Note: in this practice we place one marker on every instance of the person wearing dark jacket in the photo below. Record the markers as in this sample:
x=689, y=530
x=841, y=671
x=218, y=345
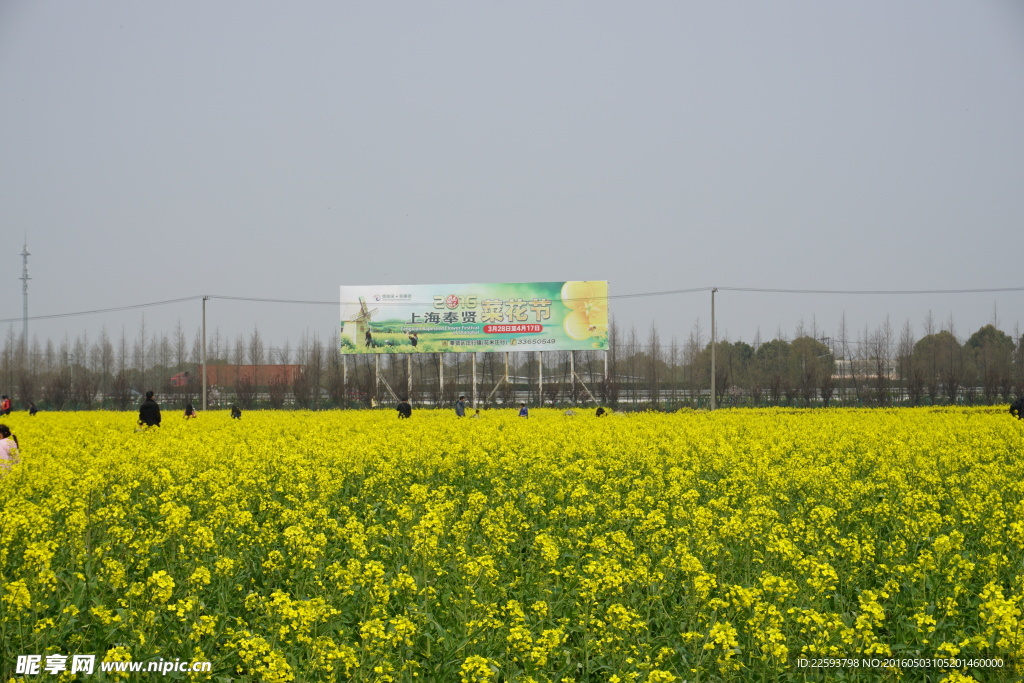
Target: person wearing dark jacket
x=149, y=411
x=1017, y=408
x=404, y=409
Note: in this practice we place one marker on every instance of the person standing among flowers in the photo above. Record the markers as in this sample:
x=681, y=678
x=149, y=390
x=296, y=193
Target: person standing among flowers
x=460, y=407
x=9, y=454
x=149, y=412
x=523, y=410
x=404, y=410
x=1017, y=408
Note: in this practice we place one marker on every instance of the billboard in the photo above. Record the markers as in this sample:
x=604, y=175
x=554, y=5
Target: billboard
x=530, y=316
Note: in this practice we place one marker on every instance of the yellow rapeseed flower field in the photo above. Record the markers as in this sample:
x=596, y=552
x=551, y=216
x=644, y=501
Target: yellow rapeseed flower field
x=739, y=545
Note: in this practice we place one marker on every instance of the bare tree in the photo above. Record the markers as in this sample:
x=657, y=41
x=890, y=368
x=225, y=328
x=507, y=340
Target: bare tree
x=28, y=374
x=314, y=369
x=255, y=349
x=610, y=382
x=911, y=373
x=881, y=344
x=120, y=387
x=245, y=385
x=632, y=363
x=139, y=356
x=277, y=391
x=83, y=381
x=654, y=362
x=692, y=360
x=845, y=361
x=1018, y=362
x=932, y=374
x=58, y=385
x=8, y=359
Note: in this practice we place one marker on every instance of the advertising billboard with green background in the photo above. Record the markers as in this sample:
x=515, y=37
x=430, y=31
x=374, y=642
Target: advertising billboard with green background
x=530, y=316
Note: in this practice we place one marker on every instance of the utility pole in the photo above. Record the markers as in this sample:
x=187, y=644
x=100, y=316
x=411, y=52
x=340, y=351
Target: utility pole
x=204, y=351
x=24, y=295
x=714, y=340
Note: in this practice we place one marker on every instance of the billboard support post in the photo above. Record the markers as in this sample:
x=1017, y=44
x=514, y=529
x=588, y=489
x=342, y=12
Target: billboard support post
x=472, y=358
x=376, y=378
x=408, y=377
x=440, y=377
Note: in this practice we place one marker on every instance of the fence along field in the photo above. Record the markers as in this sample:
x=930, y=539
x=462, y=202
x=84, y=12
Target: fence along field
x=722, y=546
x=875, y=368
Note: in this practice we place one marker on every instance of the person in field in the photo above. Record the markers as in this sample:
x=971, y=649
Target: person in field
x=149, y=412
x=404, y=409
x=9, y=454
x=1017, y=408
x=32, y=410
x=523, y=410
x=236, y=413
x=601, y=411
x=460, y=407
x=5, y=405
x=190, y=412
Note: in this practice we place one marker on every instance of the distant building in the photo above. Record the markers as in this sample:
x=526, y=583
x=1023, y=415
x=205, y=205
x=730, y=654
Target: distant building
x=230, y=375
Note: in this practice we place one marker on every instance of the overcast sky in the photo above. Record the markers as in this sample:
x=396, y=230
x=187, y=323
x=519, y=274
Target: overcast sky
x=152, y=151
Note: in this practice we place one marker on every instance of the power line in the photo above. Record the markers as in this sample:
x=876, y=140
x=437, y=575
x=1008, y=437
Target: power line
x=637, y=295
x=105, y=310
x=272, y=301
x=990, y=290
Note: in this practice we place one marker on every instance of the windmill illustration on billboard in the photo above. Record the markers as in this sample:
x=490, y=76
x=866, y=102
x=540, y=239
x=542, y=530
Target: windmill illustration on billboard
x=357, y=328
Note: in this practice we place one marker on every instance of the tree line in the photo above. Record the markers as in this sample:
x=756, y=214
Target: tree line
x=882, y=366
